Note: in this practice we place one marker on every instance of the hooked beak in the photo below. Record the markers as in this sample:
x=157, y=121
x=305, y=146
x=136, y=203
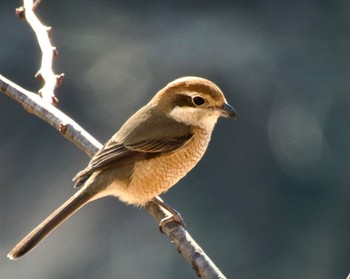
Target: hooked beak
x=228, y=111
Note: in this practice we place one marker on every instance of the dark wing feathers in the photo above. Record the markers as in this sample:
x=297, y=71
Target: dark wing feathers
x=160, y=145
x=114, y=154
x=110, y=153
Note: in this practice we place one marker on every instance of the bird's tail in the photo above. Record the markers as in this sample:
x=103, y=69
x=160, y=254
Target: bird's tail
x=50, y=223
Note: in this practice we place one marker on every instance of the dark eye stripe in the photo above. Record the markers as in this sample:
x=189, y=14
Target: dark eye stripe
x=183, y=101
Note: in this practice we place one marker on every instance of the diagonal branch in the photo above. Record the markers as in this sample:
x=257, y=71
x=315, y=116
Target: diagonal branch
x=32, y=103
x=184, y=243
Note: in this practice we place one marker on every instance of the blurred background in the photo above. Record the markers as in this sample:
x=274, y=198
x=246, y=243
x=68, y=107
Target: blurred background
x=270, y=199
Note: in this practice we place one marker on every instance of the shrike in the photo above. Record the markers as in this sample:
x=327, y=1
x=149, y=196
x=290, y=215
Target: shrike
x=151, y=152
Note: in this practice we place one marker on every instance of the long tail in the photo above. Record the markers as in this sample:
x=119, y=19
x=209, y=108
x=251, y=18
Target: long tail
x=50, y=223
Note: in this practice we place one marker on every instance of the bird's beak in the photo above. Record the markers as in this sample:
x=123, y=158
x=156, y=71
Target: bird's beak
x=228, y=111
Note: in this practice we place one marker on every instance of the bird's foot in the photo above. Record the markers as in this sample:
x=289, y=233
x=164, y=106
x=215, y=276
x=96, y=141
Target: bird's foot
x=175, y=217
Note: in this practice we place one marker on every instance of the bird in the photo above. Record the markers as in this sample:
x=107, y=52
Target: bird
x=152, y=151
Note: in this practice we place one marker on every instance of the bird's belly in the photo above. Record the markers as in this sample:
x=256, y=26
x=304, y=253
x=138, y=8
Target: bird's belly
x=155, y=176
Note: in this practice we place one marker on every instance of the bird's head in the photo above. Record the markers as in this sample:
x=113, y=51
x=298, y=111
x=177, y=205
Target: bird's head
x=194, y=101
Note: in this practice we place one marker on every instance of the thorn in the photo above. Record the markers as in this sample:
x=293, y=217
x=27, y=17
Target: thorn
x=63, y=128
x=54, y=100
x=39, y=76
x=36, y=4
x=59, y=79
x=4, y=87
x=54, y=52
x=49, y=31
x=20, y=13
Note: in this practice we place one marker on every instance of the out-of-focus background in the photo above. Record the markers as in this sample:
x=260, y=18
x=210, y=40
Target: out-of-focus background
x=270, y=199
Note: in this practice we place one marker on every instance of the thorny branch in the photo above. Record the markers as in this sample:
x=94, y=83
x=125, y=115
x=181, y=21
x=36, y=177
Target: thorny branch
x=49, y=52
x=32, y=103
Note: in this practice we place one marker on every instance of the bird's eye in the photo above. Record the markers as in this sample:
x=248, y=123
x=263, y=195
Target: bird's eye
x=198, y=101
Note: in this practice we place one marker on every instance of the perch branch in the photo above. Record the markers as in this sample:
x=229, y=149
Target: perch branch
x=186, y=245
x=182, y=240
x=49, y=52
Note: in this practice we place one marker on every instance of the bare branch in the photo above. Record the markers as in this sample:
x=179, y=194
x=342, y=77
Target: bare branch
x=185, y=244
x=46, y=74
x=182, y=240
x=32, y=103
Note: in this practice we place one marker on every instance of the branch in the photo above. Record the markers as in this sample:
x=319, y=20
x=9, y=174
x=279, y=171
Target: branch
x=32, y=103
x=186, y=245
x=182, y=240
x=42, y=32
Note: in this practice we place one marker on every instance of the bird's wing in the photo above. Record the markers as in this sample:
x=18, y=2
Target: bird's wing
x=147, y=134
x=115, y=154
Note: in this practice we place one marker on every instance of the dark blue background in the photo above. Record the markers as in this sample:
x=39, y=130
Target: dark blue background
x=271, y=197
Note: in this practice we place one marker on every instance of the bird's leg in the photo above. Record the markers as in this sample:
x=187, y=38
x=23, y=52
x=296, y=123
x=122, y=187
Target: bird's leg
x=175, y=216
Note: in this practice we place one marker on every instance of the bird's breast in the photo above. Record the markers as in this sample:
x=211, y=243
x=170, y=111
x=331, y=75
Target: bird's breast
x=155, y=176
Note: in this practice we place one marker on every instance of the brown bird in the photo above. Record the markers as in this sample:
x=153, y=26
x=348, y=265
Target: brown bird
x=152, y=151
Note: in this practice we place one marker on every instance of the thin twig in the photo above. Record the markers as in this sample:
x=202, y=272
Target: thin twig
x=49, y=52
x=182, y=240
